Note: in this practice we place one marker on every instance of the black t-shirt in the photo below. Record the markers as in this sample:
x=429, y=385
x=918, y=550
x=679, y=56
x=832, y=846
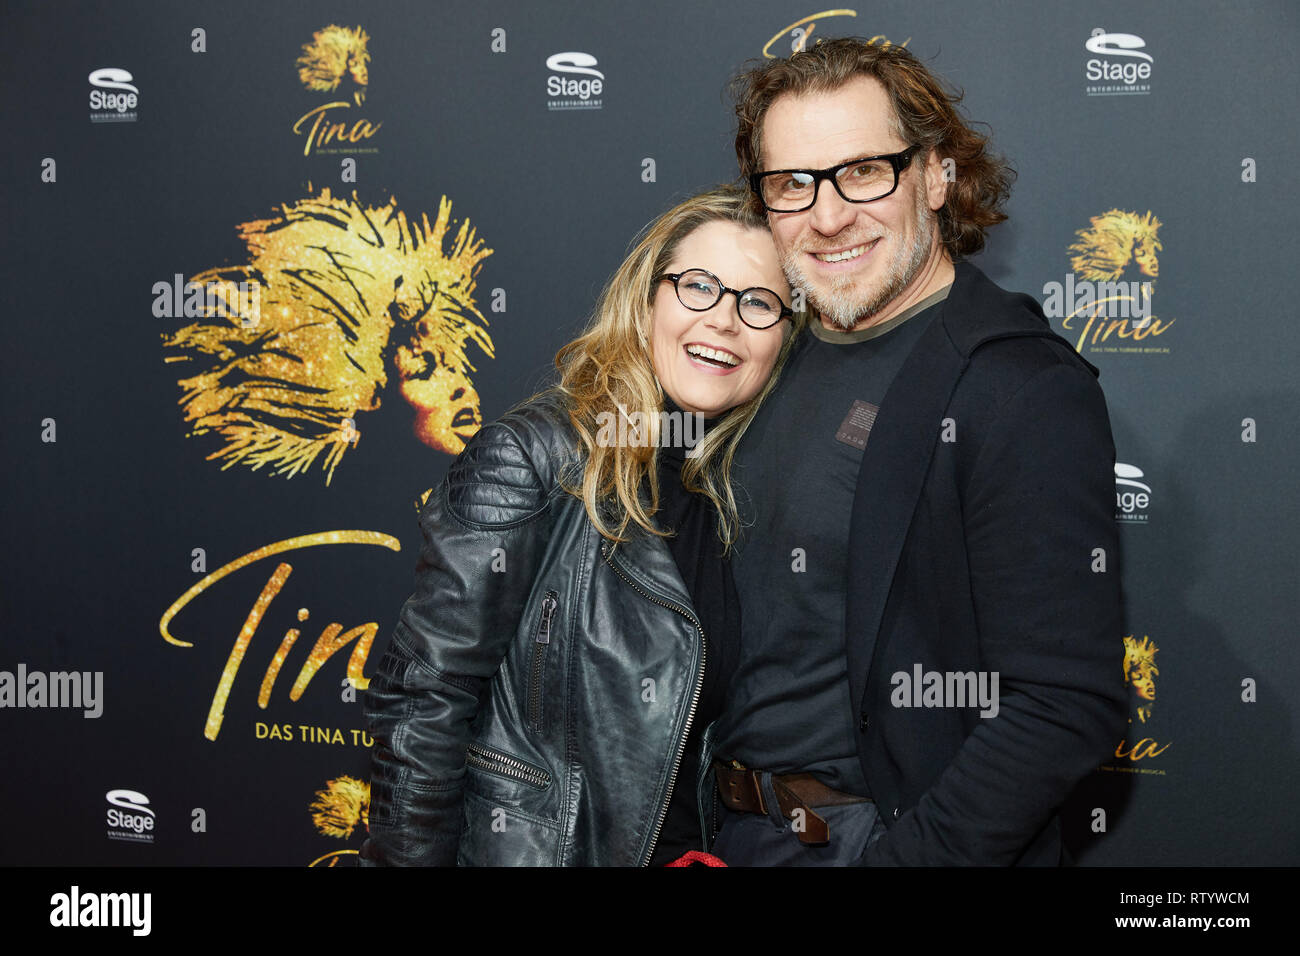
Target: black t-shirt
x=706, y=574
x=788, y=708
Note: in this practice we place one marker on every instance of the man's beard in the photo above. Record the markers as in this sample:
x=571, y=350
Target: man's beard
x=840, y=304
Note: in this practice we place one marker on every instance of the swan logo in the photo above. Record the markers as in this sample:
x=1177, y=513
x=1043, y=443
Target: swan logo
x=1119, y=65
x=574, y=83
x=1132, y=494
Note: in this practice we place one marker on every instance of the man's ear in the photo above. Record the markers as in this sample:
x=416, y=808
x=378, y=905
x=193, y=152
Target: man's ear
x=936, y=185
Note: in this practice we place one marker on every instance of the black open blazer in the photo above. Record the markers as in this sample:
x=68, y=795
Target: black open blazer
x=983, y=539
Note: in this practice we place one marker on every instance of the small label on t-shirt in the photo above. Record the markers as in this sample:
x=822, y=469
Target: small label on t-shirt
x=857, y=424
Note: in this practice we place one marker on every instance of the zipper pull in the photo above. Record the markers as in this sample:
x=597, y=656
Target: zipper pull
x=549, y=604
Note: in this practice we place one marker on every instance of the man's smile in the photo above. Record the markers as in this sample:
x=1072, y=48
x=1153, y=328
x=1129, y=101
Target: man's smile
x=844, y=255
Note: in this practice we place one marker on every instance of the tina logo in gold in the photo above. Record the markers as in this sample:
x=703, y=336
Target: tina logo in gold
x=339, y=809
x=800, y=32
x=1106, y=301
x=336, y=58
x=333, y=637
x=347, y=294
x=1140, y=672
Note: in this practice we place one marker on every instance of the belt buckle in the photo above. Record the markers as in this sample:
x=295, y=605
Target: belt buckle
x=814, y=829
x=741, y=784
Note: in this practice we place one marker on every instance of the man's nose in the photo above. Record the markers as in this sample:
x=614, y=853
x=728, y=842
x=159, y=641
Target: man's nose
x=831, y=212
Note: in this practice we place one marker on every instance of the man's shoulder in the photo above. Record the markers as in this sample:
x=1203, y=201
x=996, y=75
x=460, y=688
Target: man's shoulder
x=1004, y=336
x=978, y=311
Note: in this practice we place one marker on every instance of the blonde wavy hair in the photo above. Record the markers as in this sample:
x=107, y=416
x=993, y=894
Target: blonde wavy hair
x=608, y=370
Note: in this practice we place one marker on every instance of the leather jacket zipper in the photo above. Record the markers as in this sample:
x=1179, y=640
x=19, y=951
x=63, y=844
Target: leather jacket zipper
x=695, y=697
x=709, y=825
x=537, y=671
x=496, y=762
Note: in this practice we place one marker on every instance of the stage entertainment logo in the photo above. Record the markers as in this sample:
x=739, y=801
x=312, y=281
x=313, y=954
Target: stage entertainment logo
x=347, y=295
x=114, y=96
x=336, y=62
x=339, y=810
x=1119, y=66
x=1140, y=745
x=1106, y=303
x=1132, y=494
x=574, y=83
x=796, y=36
x=130, y=818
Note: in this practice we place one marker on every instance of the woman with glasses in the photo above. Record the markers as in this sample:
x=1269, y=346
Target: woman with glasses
x=548, y=687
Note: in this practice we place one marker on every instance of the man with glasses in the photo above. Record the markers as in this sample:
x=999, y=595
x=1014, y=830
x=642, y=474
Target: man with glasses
x=929, y=582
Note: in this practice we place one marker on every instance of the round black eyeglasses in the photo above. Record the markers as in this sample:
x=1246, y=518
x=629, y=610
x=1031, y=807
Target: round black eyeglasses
x=700, y=290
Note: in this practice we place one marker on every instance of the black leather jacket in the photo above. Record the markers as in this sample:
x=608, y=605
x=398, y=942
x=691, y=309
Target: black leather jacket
x=534, y=701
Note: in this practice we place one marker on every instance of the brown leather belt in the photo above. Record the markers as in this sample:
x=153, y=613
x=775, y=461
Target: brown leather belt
x=742, y=793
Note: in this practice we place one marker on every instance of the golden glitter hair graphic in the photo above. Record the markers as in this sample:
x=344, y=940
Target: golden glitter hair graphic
x=1140, y=672
x=333, y=54
x=343, y=289
x=339, y=809
x=1114, y=240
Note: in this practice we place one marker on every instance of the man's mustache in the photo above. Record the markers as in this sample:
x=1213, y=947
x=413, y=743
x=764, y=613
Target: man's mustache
x=840, y=243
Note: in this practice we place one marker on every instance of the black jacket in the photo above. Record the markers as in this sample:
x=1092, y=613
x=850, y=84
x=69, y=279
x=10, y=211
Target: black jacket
x=533, y=703
x=982, y=522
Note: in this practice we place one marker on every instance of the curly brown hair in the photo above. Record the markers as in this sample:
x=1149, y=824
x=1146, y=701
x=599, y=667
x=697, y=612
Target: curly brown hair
x=925, y=114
